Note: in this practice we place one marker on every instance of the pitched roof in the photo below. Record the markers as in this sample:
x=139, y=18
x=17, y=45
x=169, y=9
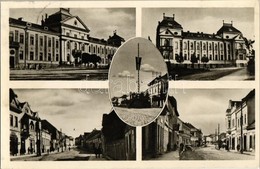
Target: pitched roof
x=169, y=22
x=249, y=95
x=173, y=102
x=227, y=28
x=29, y=25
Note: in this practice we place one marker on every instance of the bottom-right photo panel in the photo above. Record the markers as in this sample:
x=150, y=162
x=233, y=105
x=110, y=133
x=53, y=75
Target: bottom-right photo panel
x=203, y=124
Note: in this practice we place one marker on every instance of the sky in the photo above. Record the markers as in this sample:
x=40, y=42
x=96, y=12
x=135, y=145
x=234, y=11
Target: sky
x=205, y=108
x=207, y=20
x=101, y=21
x=123, y=74
x=68, y=109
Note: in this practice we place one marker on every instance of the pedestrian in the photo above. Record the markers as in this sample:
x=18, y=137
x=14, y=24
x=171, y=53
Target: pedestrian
x=181, y=150
x=227, y=147
x=99, y=151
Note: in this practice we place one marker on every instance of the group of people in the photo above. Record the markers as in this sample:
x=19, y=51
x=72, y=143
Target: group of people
x=98, y=151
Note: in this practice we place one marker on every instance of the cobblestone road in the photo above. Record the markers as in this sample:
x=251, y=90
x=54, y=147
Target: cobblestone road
x=137, y=117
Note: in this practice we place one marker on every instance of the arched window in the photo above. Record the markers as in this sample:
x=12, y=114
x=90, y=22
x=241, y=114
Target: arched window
x=68, y=45
x=31, y=125
x=191, y=46
x=209, y=46
x=75, y=45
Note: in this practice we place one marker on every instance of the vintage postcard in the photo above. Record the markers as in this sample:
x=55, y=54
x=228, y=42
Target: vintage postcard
x=130, y=84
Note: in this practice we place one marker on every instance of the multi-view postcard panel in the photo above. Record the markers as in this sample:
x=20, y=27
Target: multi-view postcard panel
x=68, y=126
x=100, y=44
x=66, y=43
x=203, y=43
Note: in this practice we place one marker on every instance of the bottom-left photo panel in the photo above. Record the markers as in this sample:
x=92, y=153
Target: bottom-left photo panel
x=67, y=125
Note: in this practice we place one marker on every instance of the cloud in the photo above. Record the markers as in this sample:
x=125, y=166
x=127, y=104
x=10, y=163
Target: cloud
x=147, y=68
x=125, y=73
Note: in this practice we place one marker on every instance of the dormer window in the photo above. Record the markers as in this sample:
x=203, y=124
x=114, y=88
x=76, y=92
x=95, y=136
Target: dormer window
x=227, y=37
x=175, y=33
x=75, y=23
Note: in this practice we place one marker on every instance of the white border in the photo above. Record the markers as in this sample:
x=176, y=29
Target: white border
x=5, y=160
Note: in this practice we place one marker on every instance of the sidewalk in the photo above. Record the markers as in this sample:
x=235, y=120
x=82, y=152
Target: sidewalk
x=238, y=152
x=92, y=157
x=172, y=155
x=33, y=155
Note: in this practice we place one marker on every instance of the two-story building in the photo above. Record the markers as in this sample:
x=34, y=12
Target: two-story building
x=240, y=115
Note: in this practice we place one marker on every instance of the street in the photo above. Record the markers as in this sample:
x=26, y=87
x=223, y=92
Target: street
x=74, y=154
x=241, y=74
x=137, y=117
x=59, y=74
x=233, y=73
x=206, y=153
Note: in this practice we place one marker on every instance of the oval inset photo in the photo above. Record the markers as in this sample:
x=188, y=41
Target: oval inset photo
x=138, y=82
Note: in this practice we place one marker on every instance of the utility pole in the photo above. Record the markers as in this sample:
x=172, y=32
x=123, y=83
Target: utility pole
x=241, y=124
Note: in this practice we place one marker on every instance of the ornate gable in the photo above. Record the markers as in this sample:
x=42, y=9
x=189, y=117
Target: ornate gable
x=75, y=22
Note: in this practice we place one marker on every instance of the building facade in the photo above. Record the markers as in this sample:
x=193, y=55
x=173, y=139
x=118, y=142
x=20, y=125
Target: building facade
x=226, y=47
x=28, y=133
x=157, y=90
x=118, y=139
x=160, y=136
x=60, y=39
x=240, y=115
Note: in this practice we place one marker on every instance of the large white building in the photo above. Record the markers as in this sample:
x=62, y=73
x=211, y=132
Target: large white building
x=241, y=115
x=225, y=47
x=60, y=37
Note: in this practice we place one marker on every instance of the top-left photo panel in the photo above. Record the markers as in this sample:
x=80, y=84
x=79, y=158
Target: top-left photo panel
x=66, y=43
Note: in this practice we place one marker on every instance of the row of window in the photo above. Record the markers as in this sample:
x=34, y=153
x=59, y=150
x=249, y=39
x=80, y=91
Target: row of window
x=40, y=58
x=13, y=37
x=91, y=48
x=238, y=122
x=168, y=42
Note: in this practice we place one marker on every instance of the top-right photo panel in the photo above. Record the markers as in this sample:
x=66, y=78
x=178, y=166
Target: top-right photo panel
x=203, y=43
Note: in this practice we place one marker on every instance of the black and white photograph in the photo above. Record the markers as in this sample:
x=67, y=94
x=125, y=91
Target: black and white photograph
x=138, y=82
x=67, y=125
x=203, y=43
x=66, y=43
x=203, y=124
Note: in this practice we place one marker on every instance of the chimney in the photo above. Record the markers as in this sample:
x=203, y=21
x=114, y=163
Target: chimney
x=20, y=19
x=46, y=15
x=231, y=23
x=163, y=15
x=173, y=16
x=42, y=21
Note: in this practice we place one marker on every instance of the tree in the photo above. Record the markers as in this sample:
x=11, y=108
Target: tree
x=179, y=58
x=76, y=54
x=193, y=59
x=90, y=58
x=204, y=60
